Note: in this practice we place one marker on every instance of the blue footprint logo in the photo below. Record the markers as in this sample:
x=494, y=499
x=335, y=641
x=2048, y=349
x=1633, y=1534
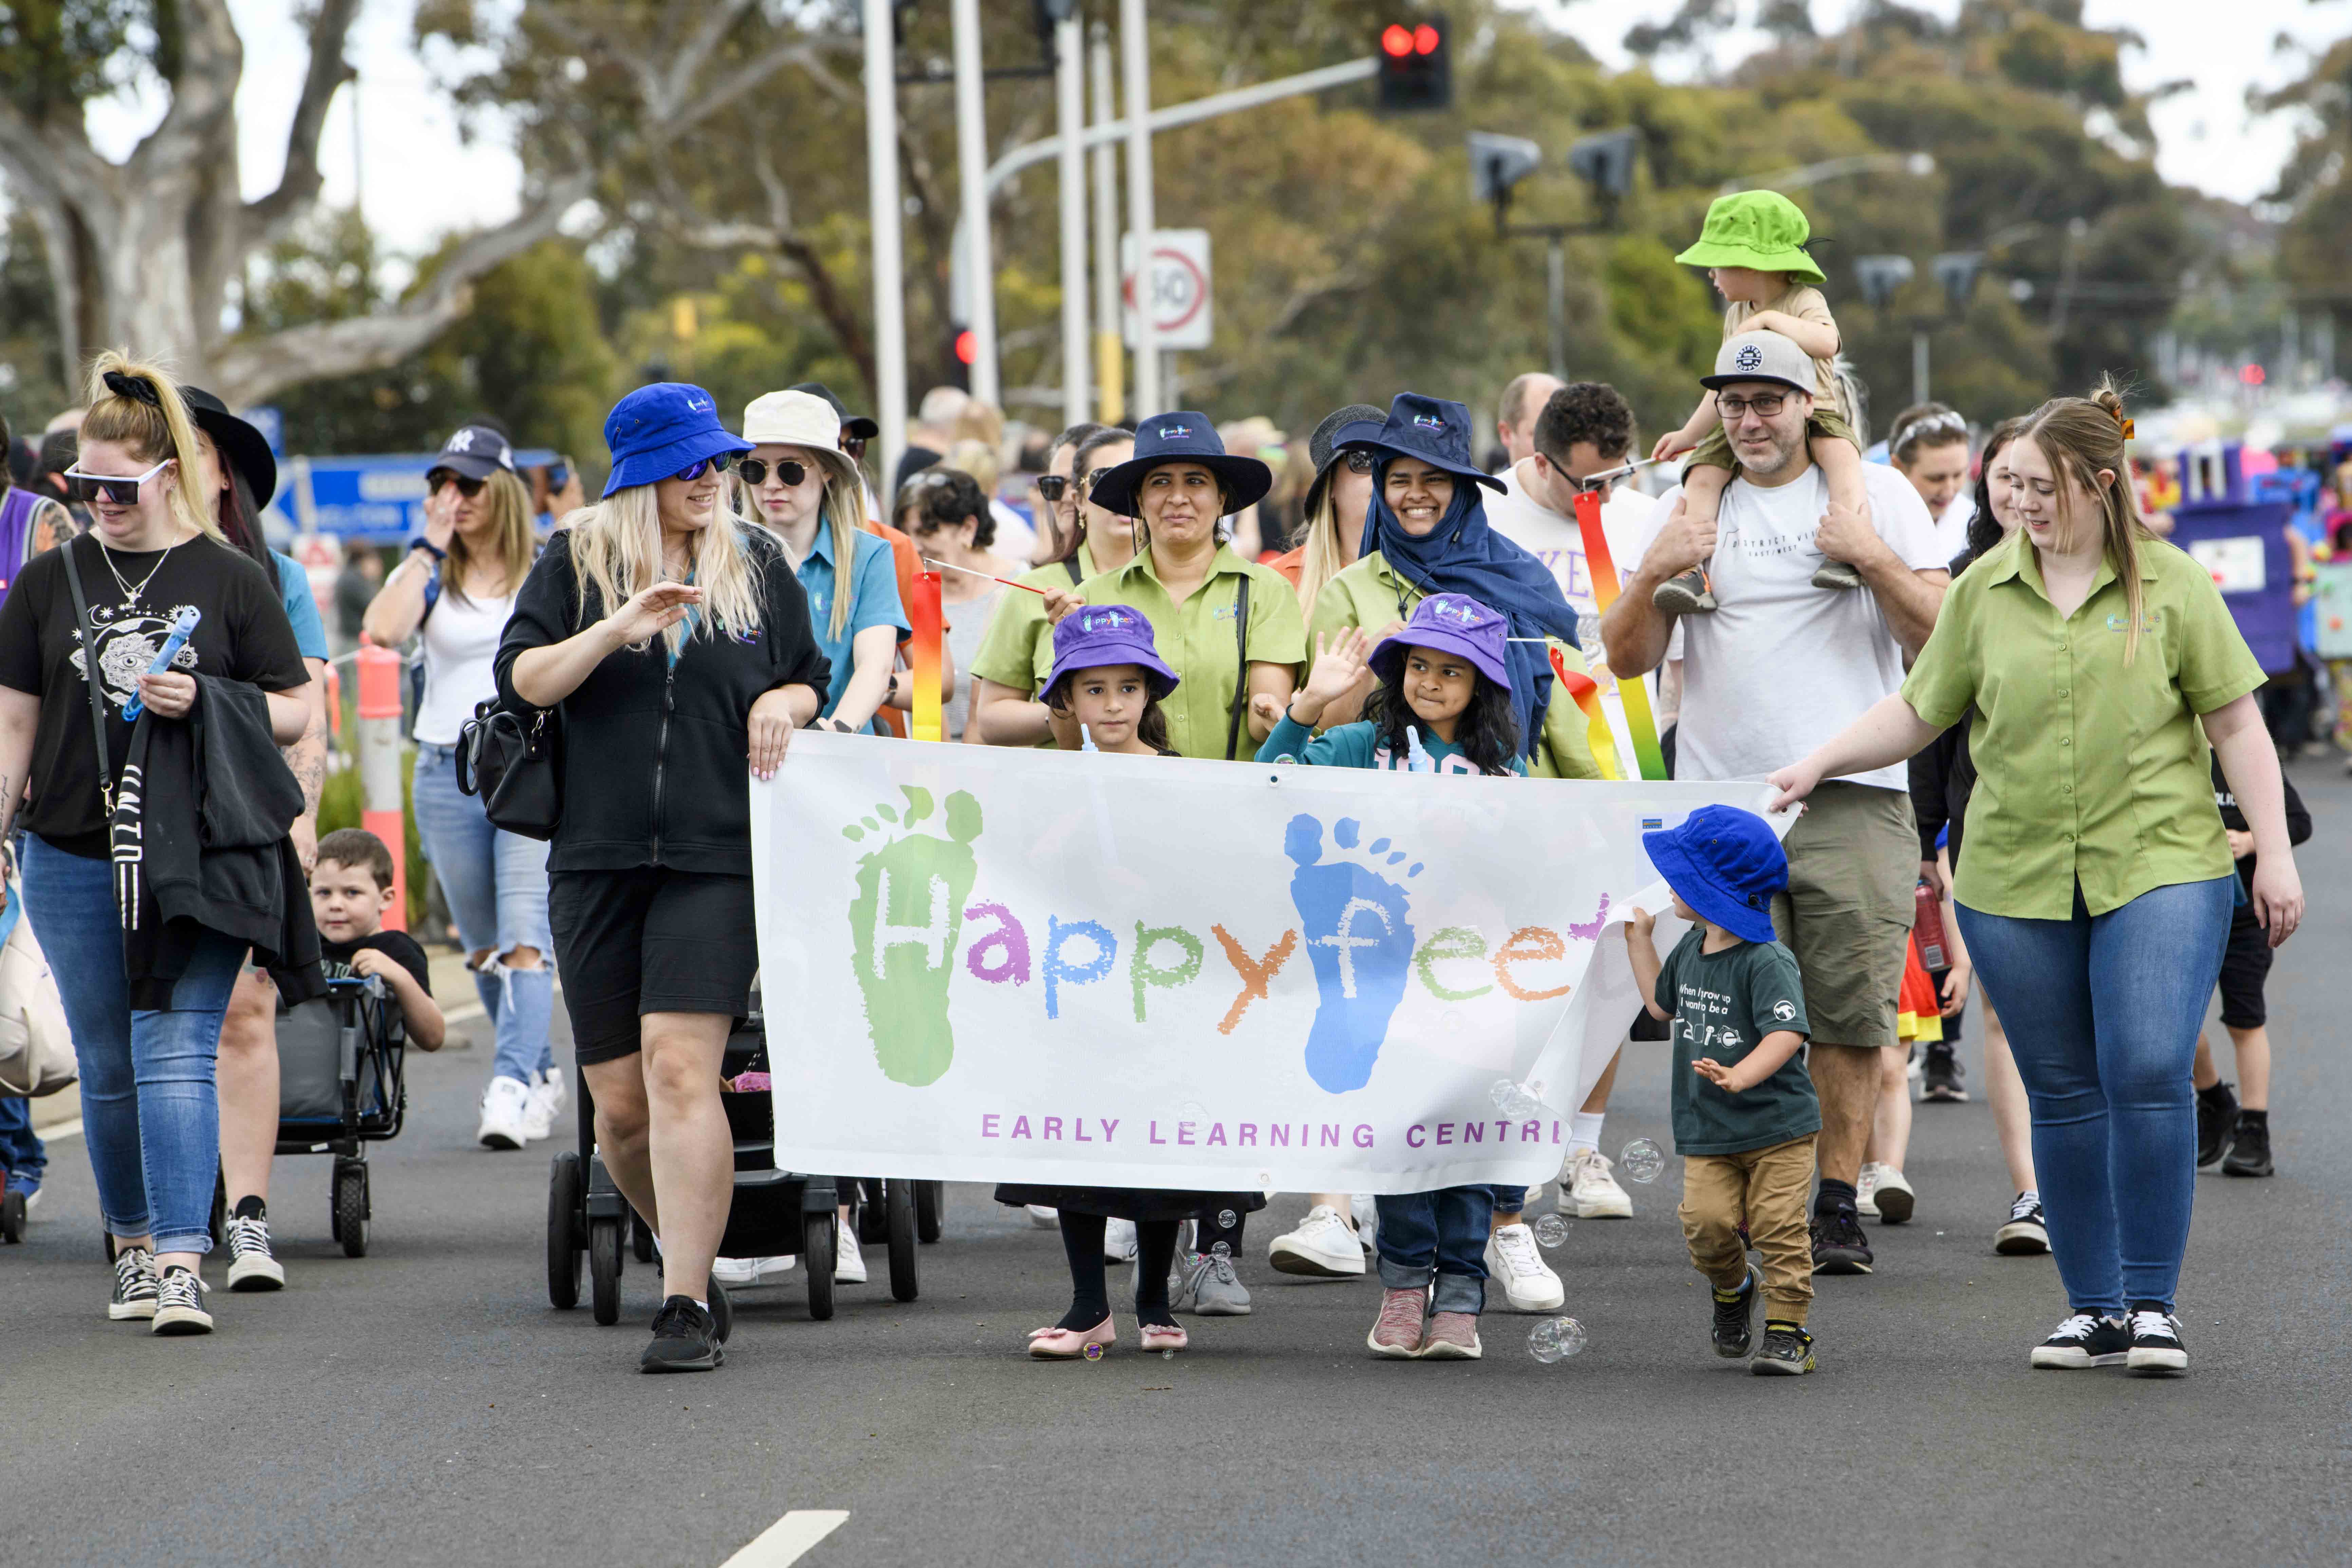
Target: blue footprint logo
x=1358, y=940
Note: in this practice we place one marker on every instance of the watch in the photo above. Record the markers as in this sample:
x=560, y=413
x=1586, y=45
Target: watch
x=421, y=543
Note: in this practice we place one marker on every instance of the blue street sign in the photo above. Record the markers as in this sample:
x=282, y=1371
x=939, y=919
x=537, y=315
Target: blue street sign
x=379, y=498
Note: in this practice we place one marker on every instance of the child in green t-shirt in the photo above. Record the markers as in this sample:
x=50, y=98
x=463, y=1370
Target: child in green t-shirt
x=1744, y=1109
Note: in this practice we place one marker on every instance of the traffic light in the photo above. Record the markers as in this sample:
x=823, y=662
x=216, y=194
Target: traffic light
x=1880, y=276
x=1416, y=71
x=963, y=347
x=1606, y=161
x=1498, y=163
x=1957, y=271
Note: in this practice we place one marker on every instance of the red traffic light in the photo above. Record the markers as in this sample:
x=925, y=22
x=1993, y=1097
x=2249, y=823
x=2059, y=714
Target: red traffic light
x=1398, y=41
x=2251, y=375
x=967, y=346
x=1425, y=39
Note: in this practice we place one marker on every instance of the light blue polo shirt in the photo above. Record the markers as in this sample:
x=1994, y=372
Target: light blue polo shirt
x=873, y=601
x=302, y=607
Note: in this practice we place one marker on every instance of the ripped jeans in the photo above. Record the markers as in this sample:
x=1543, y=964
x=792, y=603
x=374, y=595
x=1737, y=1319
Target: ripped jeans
x=496, y=883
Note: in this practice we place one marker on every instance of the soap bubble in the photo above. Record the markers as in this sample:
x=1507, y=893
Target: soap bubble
x=1193, y=1111
x=1166, y=1355
x=1551, y=1230
x=1513, y=1100
x=1555, y=1339
x=1642, y=1161
x=1094, y=1353
x=1227, y=1219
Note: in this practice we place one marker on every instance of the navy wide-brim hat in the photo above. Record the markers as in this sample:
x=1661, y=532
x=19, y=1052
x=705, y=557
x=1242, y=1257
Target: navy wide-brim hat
x=1726, y=864
x=1095, y=635
x=1452, y=623
x=245, y=448
x=661, y=430
x=1185, y=437
x=1436, y=430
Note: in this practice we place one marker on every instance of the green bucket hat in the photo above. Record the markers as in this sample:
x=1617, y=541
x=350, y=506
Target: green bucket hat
x=1762, y=229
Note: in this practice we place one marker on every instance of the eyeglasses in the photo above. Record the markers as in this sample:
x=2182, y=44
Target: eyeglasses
x=1052, y=487
x=1360, y=459
x=754, y=471
x=121, y=492
x=468, y=487
x=1764, y=404
x=717, y=465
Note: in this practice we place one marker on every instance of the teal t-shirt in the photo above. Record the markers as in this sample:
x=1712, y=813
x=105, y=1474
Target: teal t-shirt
x=872, y=583
x=1358, y=745
x=1723, y=1003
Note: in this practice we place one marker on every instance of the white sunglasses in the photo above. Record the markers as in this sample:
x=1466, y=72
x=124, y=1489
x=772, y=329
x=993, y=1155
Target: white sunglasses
x=121, y=492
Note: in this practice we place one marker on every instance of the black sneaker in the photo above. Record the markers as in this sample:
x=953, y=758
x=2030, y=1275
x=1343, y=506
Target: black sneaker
x=2155, y=1347
x=135, y=1283
x=1786, y=1352
x=2250, y=1147
x=2084, y=1339
x=1940, y=1079
x=2217, y=1114
x=685, y=1339
x=179, y=1304
x=1734, y=1310
x=251, y=1264
x=2027, y=1234
x=1839, y=1245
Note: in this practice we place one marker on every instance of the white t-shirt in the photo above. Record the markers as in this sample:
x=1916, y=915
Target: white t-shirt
x=460, y=638
x=1559, y=543
x=1782, y=666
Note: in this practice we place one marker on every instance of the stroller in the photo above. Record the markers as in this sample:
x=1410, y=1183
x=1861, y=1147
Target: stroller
x=342, y=1085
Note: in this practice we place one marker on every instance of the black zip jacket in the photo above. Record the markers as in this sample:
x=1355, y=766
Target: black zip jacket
x=199, y=838
x=655, y=758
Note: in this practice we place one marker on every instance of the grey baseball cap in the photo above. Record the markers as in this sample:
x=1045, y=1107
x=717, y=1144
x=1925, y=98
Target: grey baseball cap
x=1761, y=356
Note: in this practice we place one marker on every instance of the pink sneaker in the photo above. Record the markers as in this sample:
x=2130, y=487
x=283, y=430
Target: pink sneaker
x=1397, y=1334
x=1451, y=1336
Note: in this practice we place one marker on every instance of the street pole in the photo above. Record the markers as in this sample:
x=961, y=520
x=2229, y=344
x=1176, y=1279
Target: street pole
x=1556, y=303
x=1135, y=46
x=883, y=214
x=1918, y=365
x=1070, y=114
x=1110, y=361
x=972, y=184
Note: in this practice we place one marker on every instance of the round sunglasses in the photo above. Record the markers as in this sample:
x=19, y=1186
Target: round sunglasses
x=754, y=471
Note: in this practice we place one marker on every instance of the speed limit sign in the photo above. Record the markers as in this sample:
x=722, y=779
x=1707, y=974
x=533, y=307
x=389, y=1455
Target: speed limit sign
x=1180, y=287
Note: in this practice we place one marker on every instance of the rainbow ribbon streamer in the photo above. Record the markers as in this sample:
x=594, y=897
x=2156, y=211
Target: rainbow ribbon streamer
x=924, y=611
x=1632, y=693
x=1587, y=693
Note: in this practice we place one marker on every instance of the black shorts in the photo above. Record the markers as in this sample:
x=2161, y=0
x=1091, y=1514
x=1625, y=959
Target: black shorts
x=2245, y=964
x=650, y=939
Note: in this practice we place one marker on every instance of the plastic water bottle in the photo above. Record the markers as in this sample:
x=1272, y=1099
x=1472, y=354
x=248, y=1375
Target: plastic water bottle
x=1417, y=757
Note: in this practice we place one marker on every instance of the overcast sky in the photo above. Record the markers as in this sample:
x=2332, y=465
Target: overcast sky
x=420, y=178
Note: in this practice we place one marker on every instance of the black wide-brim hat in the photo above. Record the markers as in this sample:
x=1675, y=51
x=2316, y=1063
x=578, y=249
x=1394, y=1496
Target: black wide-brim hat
x=246, y=448
x=856, y=425
x=1323, y=448
x=1433, y=429
x=1185, y=437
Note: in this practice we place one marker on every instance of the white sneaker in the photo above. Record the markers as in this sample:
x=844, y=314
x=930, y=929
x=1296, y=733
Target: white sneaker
x=848, y=1263
x=1043, y=1217
x=1324, y=1247
x=1587, y=1184
x=771, y=1270
x=1865, y=1191
x=1118, y=1241
x=1367, y=1212
x=1528, y=1284
x=1894, y=1197
x=506, y=1114
x=736, y=1270
x=546, y=1103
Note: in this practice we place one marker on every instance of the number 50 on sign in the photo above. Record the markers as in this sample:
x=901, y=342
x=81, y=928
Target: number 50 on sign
x=1180, y=287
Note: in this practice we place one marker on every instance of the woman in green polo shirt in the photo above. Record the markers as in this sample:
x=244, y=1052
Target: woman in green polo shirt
x=1231, y=628
x=2098, y=886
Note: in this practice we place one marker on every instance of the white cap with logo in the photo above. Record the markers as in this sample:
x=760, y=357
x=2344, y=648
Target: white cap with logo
x=1761, y=356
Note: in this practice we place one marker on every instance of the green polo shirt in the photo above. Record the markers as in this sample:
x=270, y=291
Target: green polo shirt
x=1197, y=639
x=2089, y=769
x=1371, y=593
x=1008, y=649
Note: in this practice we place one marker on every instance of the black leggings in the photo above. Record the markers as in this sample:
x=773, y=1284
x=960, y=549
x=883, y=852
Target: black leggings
x=1155, y=1249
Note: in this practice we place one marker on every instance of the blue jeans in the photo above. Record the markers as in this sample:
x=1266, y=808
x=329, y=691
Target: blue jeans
x=496, y=883
x=2103, y=1013
x=148, y=1107
x=1439, y=1236
x=22, y=1155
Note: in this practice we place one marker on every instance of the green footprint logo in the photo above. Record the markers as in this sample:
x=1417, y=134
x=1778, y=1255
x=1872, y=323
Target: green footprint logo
x=904, y=925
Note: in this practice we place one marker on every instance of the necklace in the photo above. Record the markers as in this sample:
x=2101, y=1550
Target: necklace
x=129, y=594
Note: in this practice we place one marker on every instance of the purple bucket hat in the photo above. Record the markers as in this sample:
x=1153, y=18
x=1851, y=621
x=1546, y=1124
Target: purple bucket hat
x=1094, y=635
x=1452, y=622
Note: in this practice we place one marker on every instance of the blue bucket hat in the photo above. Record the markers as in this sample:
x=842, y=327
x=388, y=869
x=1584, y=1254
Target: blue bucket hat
x=1095, y=635
x=1434, y=429
x=1452, y=623
x=1725, y=864
x=661, y=430
x=1184, y=436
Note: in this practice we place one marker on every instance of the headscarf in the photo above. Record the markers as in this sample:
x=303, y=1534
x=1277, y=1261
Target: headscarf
x=1463, y=555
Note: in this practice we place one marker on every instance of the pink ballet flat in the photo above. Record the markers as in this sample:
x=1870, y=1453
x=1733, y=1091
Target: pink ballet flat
x=1069, y=1344
x=1165, y=1337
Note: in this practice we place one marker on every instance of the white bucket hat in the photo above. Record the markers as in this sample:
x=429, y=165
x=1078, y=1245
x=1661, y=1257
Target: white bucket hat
x=793, y=419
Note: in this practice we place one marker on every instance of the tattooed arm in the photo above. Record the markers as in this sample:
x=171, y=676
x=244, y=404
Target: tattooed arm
x=20, y=715
x=308, y=758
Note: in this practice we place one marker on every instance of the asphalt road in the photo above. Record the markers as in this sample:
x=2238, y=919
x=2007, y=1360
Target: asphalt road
x=426, y=1406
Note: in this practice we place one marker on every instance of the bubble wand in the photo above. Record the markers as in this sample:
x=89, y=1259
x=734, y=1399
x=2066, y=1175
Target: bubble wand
x=951, y=566
x=184, y=626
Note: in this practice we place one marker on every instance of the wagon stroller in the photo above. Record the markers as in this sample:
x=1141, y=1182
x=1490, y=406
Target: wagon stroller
x=342, y=1085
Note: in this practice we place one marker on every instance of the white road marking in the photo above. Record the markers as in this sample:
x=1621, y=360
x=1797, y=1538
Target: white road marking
x=62, y=1130
x=785, y=1541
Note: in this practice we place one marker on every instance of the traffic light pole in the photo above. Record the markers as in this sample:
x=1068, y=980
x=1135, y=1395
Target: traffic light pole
x=1110, y=351
x=883, y=217
x=1554, y=236
x=1070, y=113
x=1135, y=47
x=971, y=170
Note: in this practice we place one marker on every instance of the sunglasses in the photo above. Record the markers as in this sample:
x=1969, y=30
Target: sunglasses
x=754, y=471
x=468, y=487
x=1052, y=487
x=854, y=446
x=1359, y=460
x=81, y=486
x=717, y=465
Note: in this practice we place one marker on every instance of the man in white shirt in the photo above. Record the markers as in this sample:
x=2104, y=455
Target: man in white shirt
x=1779, y=668
x=1515, y=418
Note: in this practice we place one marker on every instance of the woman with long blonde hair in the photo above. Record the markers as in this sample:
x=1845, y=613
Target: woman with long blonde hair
x=1336, y=502
x=453, y=590
x=150, y=1109
x=675, y=643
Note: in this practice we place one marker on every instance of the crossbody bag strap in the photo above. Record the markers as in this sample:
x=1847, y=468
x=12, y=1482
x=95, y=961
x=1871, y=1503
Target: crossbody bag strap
x=1240, y=670
x=90, y=678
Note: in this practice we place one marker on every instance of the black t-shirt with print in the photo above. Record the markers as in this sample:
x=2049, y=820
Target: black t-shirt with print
x=1724, y=1005
x=396, y=945
x=243, y=636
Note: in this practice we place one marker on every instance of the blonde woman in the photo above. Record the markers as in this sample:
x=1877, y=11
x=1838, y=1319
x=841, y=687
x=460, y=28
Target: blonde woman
x=454, y=591
x=676, y=643
x=797, y=484
x=148, y=1107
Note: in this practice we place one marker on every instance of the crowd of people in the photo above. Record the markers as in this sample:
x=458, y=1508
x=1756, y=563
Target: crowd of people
x=1981, y=637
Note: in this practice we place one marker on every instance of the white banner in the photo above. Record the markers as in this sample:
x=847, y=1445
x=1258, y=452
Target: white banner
x=988, y=964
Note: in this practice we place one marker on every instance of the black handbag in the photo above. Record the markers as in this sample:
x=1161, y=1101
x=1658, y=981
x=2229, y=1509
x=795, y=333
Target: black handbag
x=513, y=762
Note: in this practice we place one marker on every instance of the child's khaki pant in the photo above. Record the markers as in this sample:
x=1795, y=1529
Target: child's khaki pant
x=1767, y=1189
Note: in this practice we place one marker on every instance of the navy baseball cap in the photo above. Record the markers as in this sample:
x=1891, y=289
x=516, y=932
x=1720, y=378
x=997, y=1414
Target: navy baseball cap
x=662, y=430
x=475, y=452
x=1726, y=864
x=1095, y=635
x=1452, y=622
